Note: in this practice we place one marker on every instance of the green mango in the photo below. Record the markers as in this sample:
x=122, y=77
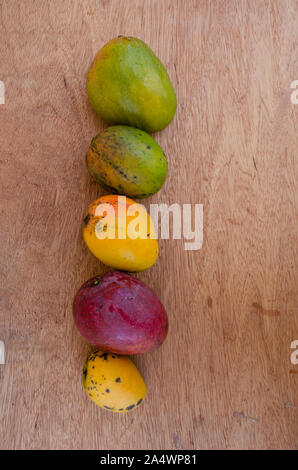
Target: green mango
x=127, y=84
x=128, y=161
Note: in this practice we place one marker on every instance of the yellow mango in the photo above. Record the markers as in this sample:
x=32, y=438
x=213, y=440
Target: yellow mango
x=120, y=233
x=113, y=382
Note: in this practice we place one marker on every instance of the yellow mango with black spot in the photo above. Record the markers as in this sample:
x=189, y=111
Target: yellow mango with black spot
x=113, y=382
x=127, y=84
x=120, y=233
x=128, y=161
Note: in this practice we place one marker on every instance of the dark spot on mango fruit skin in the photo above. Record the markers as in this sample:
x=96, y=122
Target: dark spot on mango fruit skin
x=140, y=401
x=108, y=407
x=84, y=374
x=104, y=356
x=130, y=407
x=86, y=219
x=118, y=380
x=107, y=390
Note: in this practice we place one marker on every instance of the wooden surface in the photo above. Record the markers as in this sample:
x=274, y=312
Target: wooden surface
x=223, y=378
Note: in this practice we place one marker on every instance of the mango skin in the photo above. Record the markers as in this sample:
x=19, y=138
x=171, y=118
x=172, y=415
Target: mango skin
x=127, y=160
x=120, y=314
x=113, y=382
x=124, y=254
x=127, y=84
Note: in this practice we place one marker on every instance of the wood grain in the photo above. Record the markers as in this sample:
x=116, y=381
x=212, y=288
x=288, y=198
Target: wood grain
x=223, y=378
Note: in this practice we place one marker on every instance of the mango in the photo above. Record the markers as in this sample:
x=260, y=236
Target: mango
x=127, y=84
x=120, y=314
x=127, y=160
x=120, y=233
x=113, y=382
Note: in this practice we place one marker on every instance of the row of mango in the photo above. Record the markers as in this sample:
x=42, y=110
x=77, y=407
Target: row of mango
x=116, y=313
